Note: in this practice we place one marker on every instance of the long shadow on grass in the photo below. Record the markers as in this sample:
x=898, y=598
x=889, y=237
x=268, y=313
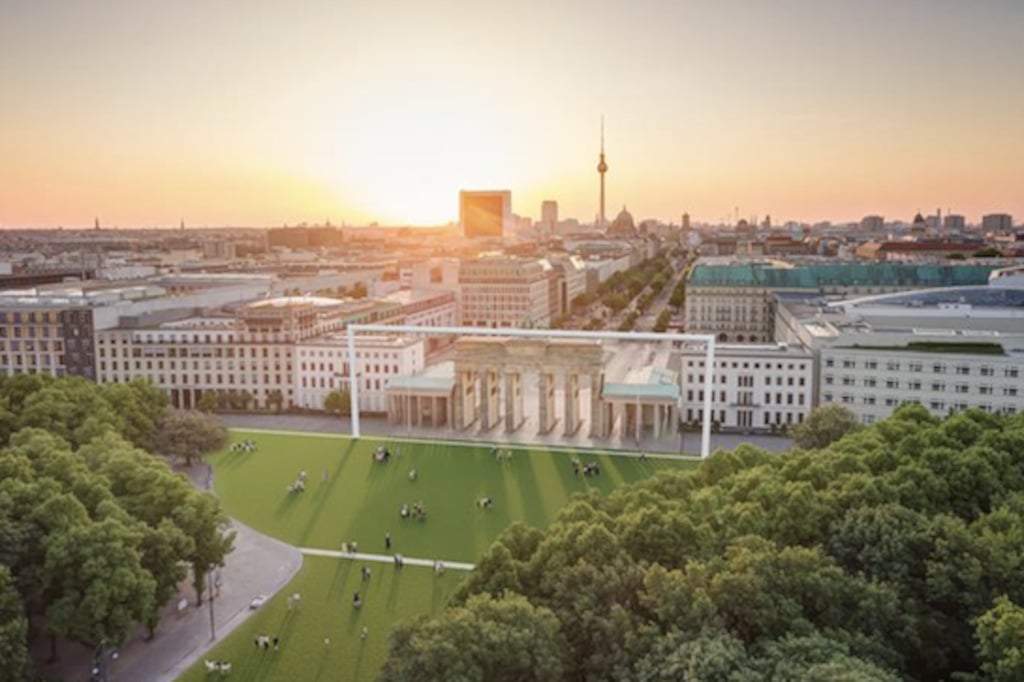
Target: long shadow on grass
x=322, y=494
x=287, y=504
x=531, y=499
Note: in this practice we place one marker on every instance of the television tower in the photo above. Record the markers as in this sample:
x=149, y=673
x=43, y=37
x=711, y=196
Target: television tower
x=602, y=168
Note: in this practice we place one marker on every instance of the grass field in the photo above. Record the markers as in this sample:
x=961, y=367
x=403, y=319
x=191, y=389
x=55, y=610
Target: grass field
x=359, y=501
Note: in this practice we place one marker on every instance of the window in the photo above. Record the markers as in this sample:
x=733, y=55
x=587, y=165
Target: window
x=871, y=382
x=962, y=388
x=938, y=386
x=938, y=368
x=830, y=362
x=871, y=364
x=963, y=370
x=985, y=390
x=892, y=383
x=849, y=364
x=892, y=366
x=915, y=367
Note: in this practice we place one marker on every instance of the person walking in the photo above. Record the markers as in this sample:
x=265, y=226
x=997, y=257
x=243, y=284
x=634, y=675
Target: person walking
x=387, y=540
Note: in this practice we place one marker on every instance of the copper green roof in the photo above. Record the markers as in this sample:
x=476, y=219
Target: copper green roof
x=823, y=275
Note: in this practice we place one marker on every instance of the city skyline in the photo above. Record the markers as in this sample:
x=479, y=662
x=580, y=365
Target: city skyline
x=255, y=114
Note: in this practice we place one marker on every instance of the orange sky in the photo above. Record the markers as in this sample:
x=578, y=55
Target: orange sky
x=263, y=113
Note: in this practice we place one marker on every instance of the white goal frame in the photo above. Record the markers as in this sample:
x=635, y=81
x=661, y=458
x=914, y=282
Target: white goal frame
x=707, y=339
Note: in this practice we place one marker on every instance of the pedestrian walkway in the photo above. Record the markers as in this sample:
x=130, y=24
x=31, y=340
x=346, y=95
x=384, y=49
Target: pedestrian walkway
x=681, y=446
x=384, y=558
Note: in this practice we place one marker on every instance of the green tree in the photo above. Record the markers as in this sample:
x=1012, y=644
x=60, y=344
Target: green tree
x=338, y=402
x=205, y=524
x=13, y=630
x=501, y=639
x=210, y=402
x=1000, y=637
x=189, y=435
x=275, y=400
x=825, y=425
x=99, y=585
x=140, y=405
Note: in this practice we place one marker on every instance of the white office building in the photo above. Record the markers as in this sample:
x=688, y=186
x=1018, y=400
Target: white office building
x=756, y=387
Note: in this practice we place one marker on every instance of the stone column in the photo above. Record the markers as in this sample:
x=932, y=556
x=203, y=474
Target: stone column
x=513, y=401
x=458, y=395
x=546, y=402
x=572, y=403
x=490, y=399
x=596, y=405
x=659, y=415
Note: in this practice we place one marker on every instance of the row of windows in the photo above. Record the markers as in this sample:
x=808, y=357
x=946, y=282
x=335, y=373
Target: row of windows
x=747, y=397
x=935, y=386
x=748, y=381
x=725, y=364
x=207, y=379
x=934, y=405
x=918, y=366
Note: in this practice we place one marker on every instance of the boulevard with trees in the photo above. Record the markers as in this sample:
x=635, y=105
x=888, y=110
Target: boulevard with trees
x=891, y=552
x=96, y=533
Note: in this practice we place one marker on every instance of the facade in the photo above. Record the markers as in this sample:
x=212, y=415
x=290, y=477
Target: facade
x=46, y=337
x=499, y=291
x=485, y=214
x=873, y=383
x=321, y=366
x=734, y=299
x=757, y=387
x=872, y=223
x=997, y=222
x=250, y=353
x=948, y=349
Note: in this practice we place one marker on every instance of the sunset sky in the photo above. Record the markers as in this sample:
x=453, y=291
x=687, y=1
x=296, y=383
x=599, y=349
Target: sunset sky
x=263, y=112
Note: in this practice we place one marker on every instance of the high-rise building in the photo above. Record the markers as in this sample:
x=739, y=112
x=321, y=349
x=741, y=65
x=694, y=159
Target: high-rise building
x=997, y=222
x=602, y=168
x=485, y=214
x=872, y=223
x=953, y=222
x=549, y=212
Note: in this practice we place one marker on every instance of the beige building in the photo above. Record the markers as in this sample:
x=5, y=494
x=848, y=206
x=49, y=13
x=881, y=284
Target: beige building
x=502, y=291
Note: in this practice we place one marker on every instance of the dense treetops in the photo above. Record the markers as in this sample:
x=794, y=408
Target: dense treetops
x=895, y=553
x=96, y=534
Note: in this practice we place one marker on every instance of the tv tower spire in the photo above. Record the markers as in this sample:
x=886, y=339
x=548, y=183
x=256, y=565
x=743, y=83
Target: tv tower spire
x=602, y=168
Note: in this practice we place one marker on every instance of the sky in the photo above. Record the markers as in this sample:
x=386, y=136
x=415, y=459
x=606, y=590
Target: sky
x=261, y=112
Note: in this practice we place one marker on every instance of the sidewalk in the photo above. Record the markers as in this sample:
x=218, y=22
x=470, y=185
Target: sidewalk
x=376, y=426
x=258, y=565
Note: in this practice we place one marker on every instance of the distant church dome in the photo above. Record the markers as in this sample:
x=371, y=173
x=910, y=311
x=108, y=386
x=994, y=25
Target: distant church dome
x=918, y=219
x=623, y=224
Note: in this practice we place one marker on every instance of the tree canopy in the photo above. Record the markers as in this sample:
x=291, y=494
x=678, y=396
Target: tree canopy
x=896, y=552
x=96, y=534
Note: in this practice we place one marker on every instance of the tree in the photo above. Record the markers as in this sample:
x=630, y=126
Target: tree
x=101, y=589
x=987, y=252
x=13, y=630
x=338, y=402
x=204, y=522
x=1000, y=637
x=501, y=639
x=140, y=405
x=825, y=425
x=189, y=434
x=209, y=402
x=275, y=399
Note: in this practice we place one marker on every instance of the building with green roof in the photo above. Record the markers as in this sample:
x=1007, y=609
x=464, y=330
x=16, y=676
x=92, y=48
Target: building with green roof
x=733, y=299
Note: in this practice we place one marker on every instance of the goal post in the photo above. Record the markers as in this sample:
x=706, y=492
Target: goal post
x=707, y=339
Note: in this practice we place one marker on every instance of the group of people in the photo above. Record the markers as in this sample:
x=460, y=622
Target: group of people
x=350, y=547
x=382, y=454
x=222, y=667
x=588, y=469
x=501, y=455
x=415, y=511
x=263, y=641
x=484, y=502
x=244, y=446
x=299, y=484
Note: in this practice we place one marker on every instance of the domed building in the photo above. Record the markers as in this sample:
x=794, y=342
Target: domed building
x=623, y=225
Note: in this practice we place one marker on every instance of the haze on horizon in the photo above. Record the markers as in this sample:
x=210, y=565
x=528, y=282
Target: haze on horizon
x=261, y=113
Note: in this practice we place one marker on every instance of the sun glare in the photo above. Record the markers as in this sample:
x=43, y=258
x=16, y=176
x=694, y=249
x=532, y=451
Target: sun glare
x=402, y=157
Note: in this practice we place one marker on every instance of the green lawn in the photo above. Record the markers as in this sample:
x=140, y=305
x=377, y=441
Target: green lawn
x=361, y=498
x=326, y=586
x=360, y=501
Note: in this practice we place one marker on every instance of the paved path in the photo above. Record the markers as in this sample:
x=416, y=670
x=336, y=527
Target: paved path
x=378, y=427
x=382, y=558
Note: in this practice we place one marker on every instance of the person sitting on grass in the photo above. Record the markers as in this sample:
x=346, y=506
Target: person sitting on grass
x=413, y=475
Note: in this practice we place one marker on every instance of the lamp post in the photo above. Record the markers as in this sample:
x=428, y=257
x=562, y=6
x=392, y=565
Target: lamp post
x=210, y=580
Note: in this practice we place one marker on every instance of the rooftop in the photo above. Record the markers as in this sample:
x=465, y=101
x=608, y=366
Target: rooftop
x=773, y=275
